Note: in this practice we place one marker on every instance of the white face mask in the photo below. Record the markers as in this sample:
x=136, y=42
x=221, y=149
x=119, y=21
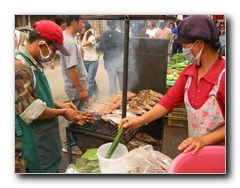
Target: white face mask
x=187, y=52
x=48, y=57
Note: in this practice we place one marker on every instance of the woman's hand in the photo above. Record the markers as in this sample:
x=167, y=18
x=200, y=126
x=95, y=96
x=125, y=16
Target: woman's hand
x=132, y=122
x=191, y=143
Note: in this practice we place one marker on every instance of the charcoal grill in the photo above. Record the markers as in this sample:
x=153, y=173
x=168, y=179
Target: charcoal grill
x=100, y=129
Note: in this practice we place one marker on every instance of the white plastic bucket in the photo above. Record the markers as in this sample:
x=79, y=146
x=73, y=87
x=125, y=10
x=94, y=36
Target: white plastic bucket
x=114, y=164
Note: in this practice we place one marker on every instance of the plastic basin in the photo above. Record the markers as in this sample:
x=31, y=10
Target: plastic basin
x=210, y=159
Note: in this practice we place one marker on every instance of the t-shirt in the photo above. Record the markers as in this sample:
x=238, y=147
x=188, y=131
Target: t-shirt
x=165, y=33
x=75, y=59
x=90, y=53
x=151, y=33
x=175, y=33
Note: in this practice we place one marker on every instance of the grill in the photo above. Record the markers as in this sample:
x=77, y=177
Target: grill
x=101, y=129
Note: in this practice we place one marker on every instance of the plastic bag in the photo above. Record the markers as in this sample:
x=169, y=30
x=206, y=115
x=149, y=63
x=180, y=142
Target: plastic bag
x=71, y=169
x=146, y=160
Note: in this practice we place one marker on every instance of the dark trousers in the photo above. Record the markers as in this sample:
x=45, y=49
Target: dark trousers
x=176, y=48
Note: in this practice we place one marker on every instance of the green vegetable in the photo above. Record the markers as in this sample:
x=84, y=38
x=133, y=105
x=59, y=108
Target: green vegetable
x=177, y=58
x=181, y=65
x=170, y=77
x=87, y=169
x=81, y=162
x=84, y=165
x=93, y=163
x=96, y=170
x=116, y=140
x=90, y=154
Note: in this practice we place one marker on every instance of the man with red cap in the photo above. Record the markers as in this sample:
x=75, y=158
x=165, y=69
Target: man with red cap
x=36, y=121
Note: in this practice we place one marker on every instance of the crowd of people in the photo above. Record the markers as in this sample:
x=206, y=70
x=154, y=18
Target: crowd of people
x=201, y=85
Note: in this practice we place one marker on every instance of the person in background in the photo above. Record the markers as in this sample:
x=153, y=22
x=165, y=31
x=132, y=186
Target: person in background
x=140, y=30
x=152, y=27
x=222, y=38
x=90, y=58
x=74, y=73
x=171, y=25
x=176, y=47
x=164, y=33
x=112, y=46
x=36, y=113
x=20, y=38
x=217, y=24
x=201, y=86
x=61, y=21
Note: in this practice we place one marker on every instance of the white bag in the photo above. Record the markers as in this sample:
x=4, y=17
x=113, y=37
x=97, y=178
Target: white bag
x=146, y=160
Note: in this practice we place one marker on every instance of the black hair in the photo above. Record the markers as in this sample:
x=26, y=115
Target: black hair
x=178, y=22
x=139, y=28
x=70, y=18
x=59, y=19
x=87, y=26
x=162, y=25
x=153, y=23
x=34, y=35
x=173, y=24
x=112, y=24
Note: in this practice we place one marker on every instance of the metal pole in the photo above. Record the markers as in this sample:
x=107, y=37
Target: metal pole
x=125, y=66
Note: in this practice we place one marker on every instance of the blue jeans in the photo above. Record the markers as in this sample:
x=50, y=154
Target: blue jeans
x=114, y=74
x=91, y=67
x=79, y=104
x=114, y=65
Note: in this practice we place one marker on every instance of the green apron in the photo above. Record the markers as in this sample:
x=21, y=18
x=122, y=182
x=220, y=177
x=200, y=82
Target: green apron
x=40, y=140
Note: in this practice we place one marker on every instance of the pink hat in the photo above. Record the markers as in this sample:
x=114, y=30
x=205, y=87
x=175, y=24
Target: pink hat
x=51, y=31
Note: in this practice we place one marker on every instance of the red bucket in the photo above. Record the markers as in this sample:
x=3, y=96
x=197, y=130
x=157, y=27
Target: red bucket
x=210, y=159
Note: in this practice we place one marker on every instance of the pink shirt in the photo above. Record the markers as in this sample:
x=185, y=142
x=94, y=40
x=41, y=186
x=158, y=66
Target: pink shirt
x=197, y=94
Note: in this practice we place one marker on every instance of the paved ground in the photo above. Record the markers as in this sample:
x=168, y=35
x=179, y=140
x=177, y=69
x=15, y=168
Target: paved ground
x=172, y=135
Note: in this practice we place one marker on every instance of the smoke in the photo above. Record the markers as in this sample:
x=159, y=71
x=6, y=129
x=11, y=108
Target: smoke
x=132, y=64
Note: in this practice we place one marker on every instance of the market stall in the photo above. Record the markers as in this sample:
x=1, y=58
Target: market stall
x=143, y=60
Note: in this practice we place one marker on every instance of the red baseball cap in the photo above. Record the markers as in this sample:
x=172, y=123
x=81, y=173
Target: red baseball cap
x=51, y=31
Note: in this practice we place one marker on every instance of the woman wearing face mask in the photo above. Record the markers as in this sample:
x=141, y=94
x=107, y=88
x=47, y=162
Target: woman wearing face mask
x=201, y=86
